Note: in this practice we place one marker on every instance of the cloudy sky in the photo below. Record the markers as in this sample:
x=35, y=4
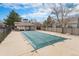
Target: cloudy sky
x=30, y=10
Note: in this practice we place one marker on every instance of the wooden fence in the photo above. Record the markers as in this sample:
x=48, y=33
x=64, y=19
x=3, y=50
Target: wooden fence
x=74, y=31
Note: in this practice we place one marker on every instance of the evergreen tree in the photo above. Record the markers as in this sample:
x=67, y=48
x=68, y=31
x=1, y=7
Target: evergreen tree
x=13, y=17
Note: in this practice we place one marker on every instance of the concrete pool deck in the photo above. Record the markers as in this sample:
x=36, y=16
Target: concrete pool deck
x=16, y=45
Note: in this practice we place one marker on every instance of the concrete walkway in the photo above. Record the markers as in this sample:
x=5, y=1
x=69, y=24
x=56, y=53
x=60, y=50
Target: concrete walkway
x=16, y=45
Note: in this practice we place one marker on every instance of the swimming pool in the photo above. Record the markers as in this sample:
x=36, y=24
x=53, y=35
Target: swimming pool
x=39, y=39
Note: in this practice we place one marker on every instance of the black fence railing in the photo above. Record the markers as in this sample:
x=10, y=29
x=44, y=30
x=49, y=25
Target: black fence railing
x=3, y=33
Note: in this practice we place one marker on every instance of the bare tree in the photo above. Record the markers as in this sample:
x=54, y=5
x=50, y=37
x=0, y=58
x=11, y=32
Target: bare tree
x=61, y=12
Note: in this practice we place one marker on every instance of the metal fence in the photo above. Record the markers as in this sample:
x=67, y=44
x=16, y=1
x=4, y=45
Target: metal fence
x=3, y=33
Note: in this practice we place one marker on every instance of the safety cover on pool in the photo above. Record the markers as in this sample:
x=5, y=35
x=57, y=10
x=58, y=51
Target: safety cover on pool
x=39, y=39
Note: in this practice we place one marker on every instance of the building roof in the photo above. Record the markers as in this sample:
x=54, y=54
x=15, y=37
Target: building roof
x=23, y=24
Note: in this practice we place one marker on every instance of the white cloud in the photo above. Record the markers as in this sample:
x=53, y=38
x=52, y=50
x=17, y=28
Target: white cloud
x=20, y=6
x=33, y=15
x=15, y=5
x=40, y=12
x=36, y=4
x=76, y=8
x=23, y=16
x=37, y=15
x=12, y=6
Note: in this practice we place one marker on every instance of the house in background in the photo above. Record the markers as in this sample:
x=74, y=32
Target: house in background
x=2, y=25
x=24, y=26
x=73, y=22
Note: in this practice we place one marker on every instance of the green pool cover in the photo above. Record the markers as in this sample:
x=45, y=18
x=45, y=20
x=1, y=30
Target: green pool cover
x=39, y=39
